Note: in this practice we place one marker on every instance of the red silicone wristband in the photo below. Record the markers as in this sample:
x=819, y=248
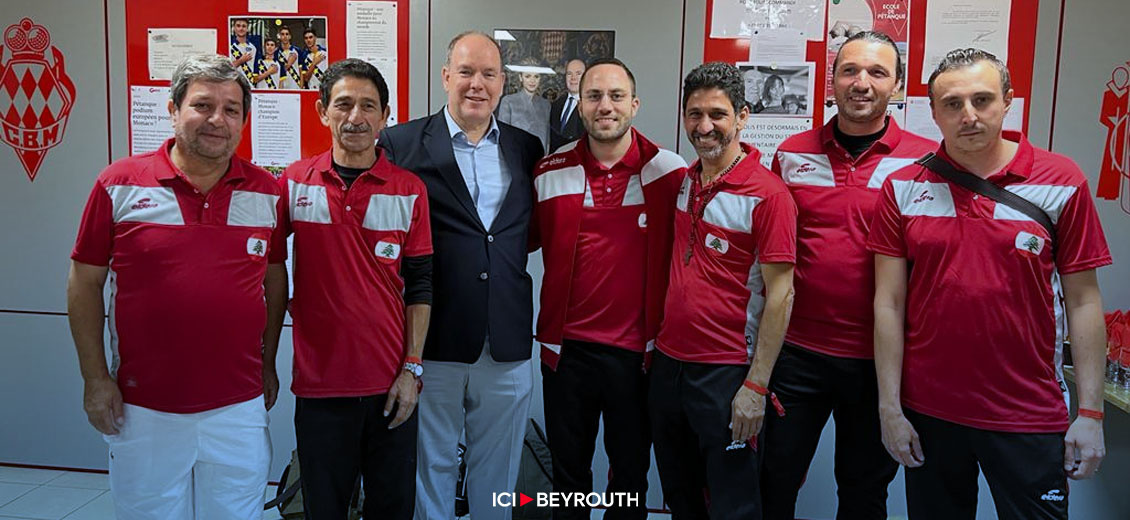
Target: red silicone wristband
x=413, y=359
x=761, y=390
x=1091, y=414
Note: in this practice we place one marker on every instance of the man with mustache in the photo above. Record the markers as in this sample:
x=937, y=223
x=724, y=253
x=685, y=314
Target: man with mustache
x=477, y=373
x=826, y=366
x=362, y=297
x=726, y=309
x=189, y=238
x=604, y=213
x=968, y=342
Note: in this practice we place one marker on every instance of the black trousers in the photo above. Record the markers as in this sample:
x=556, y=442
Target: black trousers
x=340, y=438
x=1024, y=471
x=593, y=379
x=811, y=386
x=703, y=473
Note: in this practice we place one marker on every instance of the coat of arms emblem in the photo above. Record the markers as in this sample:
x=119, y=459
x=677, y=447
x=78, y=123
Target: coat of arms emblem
x=36, y=95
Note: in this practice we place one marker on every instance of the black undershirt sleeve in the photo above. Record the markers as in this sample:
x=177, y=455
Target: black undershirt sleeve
x=417, y=273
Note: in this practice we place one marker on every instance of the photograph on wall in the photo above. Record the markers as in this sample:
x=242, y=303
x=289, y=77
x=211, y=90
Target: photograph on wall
x=847, y=18
x=279, y=53
x=543, y=77
x=779, y=89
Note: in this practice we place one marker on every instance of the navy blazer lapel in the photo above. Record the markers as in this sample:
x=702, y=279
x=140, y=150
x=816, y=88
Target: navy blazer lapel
x=437, y=141
x=511, y=152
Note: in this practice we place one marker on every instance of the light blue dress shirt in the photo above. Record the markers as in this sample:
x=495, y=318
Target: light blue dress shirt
x=482, y=167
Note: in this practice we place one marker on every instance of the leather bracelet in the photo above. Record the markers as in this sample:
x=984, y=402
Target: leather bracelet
x=1091, y=414
x=760, y=390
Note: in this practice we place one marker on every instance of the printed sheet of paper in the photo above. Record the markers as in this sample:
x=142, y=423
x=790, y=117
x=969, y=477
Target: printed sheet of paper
x=848, y=17
x=149, y=123
x=370, y=29
x=276, y=129
x=920, y=119
x=740, y=18
x=370, y=35
x=956, y=24
x=167, y=47
x=272, y=6
x=767, y=133
x=777, y=45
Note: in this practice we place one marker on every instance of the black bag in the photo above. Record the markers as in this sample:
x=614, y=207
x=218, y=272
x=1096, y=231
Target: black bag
x=288, y=498
x=535, y=473
x=978, y=185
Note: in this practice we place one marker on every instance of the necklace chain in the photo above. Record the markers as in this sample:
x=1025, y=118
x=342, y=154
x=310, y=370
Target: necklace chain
x=697, y=210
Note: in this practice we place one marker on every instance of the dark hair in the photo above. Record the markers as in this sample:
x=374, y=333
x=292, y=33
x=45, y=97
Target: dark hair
x=207, y=67
x=608, y=61
x=768, y=85
x=309, y=30
x=719, y=75
x=270, y=40
x=464, y=34
x=875, y=37
x=968, y=57
x=240, y=19
x=353, y=68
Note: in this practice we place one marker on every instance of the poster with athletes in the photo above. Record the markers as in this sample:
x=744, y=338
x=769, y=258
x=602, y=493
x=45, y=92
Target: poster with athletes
x=279, y=53
x=848, y=17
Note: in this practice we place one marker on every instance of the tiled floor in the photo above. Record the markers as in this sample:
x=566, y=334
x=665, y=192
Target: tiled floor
x=54, y=495
x=45, y=494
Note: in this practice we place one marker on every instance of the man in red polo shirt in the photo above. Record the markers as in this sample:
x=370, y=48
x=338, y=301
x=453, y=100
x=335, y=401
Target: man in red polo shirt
x=362, y=297
x=188, y=237
x=968, y=342
x=604, y=211
x=826, y=366
x=726, y=309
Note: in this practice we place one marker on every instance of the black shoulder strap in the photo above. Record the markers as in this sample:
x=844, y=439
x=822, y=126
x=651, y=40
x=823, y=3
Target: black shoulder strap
x=978, y=185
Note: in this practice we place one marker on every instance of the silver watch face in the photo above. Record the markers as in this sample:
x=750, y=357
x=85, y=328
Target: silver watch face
x=415, y=369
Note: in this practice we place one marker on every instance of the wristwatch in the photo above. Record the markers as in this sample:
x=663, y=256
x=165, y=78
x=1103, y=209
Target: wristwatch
x=414, y=366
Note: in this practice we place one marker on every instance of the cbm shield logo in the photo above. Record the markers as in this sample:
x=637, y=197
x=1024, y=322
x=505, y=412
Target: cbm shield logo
x=36, y=95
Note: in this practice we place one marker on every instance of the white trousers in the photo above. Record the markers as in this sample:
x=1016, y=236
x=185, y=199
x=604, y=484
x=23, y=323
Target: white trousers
x=209, y=466
x=488, y=400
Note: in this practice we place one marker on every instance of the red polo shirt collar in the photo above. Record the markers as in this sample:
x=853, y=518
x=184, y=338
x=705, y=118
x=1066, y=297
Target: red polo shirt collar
x=1020, y=166
x=234, y=174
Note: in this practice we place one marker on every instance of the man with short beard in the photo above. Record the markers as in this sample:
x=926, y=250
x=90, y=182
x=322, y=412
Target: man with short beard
x=726, y=308
x=825, y=367
x=189, y=238
x=362, y=299
x=604, y=213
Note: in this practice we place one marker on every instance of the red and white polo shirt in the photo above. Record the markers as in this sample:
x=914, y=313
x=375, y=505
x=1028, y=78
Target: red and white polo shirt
x=606, y=238
x=716, y=297
x=835, y=196
x=186, y=306
x=348, y=305
x=984, y=320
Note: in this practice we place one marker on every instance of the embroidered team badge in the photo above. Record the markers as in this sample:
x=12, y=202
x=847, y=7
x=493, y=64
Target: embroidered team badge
x=257, y=247
x=1029, y=243
x=387, y=252
x=36, y=95
x=718, y=244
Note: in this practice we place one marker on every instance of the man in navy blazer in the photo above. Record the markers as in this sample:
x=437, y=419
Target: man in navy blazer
x=477, y=371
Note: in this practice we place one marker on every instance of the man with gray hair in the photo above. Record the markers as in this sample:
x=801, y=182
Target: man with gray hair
x=1004, y=240
x=476, y=367
x=188, y=237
